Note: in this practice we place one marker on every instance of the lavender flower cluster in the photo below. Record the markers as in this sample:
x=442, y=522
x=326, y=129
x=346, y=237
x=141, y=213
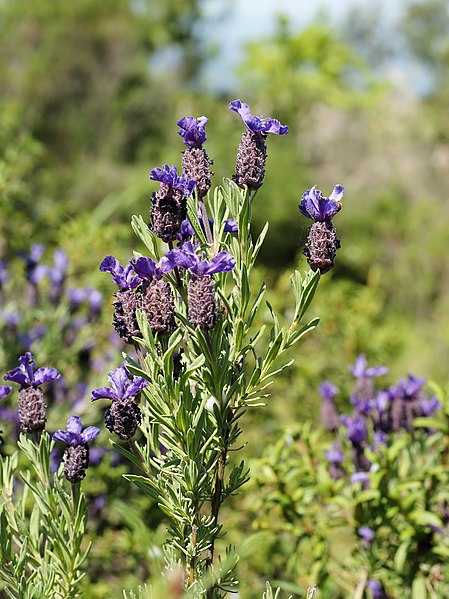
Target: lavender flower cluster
x=377, y=414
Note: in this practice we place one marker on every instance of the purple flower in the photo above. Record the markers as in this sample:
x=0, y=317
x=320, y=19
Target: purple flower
x=35, y=272
x=74, y=435
x=34, y=334
x=430, y=405
x=4, y=274
x=126, y=278
x=123, y=386
x=192, y=131
x=4, y=390
x=231, y=226
x=169, y=176
x=11, y=318
x=26, y=376
x=147, y=268
x=366, y=534
x=318, y=208
x=334, y=455
x=356, y=426
x=257, y=124
x=328, y=391
x=187, y=258
x=409, y=388
x=359, y=370
x=376, y=588
x=359, y=477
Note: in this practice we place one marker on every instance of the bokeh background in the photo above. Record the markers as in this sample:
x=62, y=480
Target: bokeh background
x=90, y=92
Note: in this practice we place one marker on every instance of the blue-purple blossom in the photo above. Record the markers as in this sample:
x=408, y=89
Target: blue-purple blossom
x=148, y=269
x=356, y=425
x=376, y=588
x=328, y=391
x=318, y=208
x=430, y=405
x=186, y=257
x=11, y=318
x=359, y=477
x=366, y=534
x=123, y=386
x=4, y=274
x=335, y=455
x=4, y=390
x=124, y=277
x=409, y=388
x=192, y=131
x=35, y=272
x=257, y=124
x=34, y=334
x=169, y=176
x=360, y=370
x=74, y=435
x=27, y=376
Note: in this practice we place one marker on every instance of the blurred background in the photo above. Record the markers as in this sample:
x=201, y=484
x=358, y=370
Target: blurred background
x=90, y=92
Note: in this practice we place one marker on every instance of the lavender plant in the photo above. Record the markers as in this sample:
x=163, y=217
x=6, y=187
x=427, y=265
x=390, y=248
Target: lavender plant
x=42, y=526
x=371, y=520
x=188, y=311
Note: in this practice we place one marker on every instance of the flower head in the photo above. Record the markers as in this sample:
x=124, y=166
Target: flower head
x=74, y=435
x=257, y=124
x=376, y=588
x=356, y=425
x=126, y=278
x=318, y=208
x=192, y=131
x=27, y=376
x=366, y=534
x=360, y=370
x=335, y=455
x=186, y=257
x=123, y=386
x=4, y=390
x=169, y=176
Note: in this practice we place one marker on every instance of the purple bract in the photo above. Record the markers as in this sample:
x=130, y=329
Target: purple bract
x=4, y=390
x=125, y=278
x=366, y=534
x=257, y=124
x=328, y=391
x=356, y=425
x=169, y=176
x=123, y=386
x=318, y=208
x=360, y=369
x=147, y=268
x=26, y=376
x=192, y=131
x=334, y=455
x=74, y=435
x=187, y=258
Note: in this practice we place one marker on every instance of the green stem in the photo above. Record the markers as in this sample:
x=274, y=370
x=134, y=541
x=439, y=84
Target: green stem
x=205, y=217
x=138, y=454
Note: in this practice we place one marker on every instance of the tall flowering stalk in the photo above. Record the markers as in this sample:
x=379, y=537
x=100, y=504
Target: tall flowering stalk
x=206, y=369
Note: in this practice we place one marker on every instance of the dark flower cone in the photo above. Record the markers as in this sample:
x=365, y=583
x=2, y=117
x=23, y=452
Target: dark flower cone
x=336, y=471
x=321, y=247
x=359, y=459
x=76, y=461
x=329, y=416
x=403, y=412
x=196, y=165
x=202, y=302
x=168, y=210
x=123, y=418
x=251, y=157
x=124, y=320
x=159, y=306
x=32, y=410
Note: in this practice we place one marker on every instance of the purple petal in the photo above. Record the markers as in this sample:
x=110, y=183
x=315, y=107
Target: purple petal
x=146, y=267
x=46, y=375
x=16, y=375
x=359, y=477
x=103, y=393
x=182, y=257
x=231, y=226
x=316, y=207
x=328, y=391
x=241, y=108
x=90, y=433
x=192, y=131
x=4, y=390
x=119, y=380
x=36, y=252
x=137, y=384
x=337, y=193
x=27, y=363
x=65, y=437
x=222, y=262
x=38, y=273
x=74, y=425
